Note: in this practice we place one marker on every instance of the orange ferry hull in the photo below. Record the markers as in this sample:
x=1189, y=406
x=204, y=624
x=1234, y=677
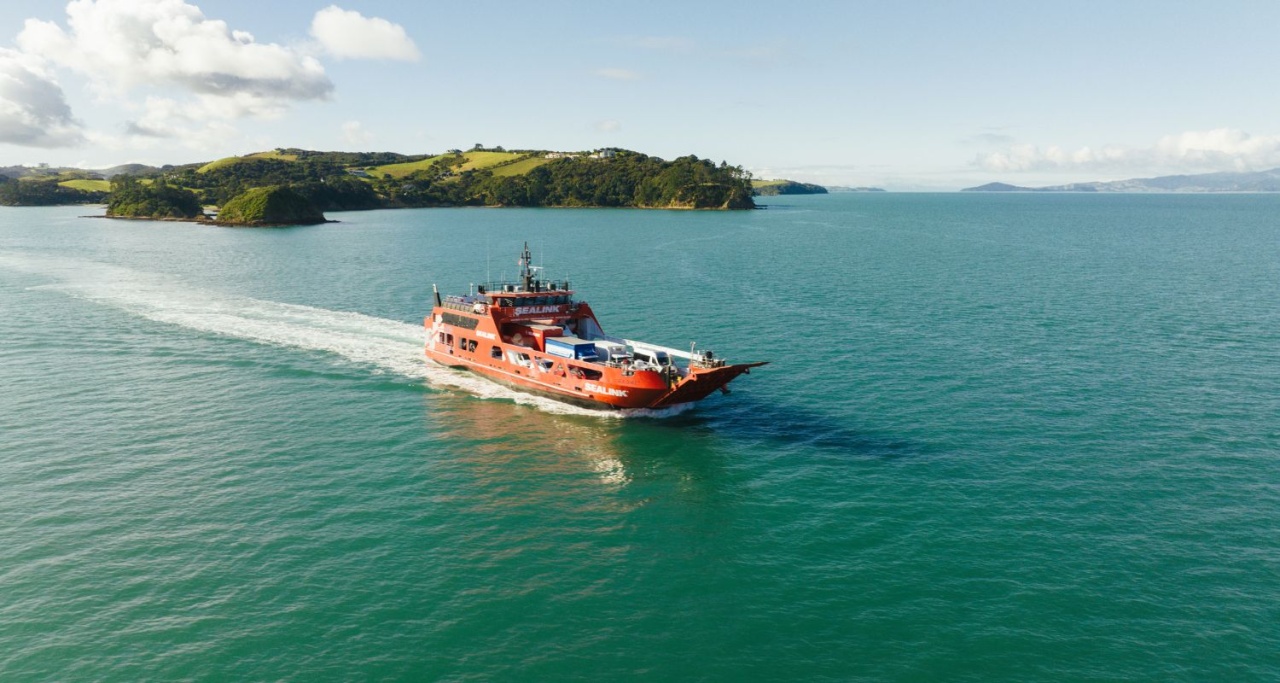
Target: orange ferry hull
x=642, y=393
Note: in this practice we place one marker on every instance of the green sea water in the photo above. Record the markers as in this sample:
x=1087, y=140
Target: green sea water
x=1025, y=438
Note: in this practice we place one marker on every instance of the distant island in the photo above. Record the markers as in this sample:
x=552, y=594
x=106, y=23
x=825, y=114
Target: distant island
x=270, y=206
x=777, y=187
x=352, y=181
x=1256, y=181
x=842, y=188
x=158, y=201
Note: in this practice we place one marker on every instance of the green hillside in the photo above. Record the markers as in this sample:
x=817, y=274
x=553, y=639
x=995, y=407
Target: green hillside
x=266, y=206
x=352, y=181
x=471, y=161
x=87, y=184
x=228, y=161
x=479, y=160
x=403, y=169
x=520, y=167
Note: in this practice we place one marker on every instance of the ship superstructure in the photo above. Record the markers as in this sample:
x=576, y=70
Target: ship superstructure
x=533, y=335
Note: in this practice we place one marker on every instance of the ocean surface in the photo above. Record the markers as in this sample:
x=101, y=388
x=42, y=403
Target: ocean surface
x=1001, y=437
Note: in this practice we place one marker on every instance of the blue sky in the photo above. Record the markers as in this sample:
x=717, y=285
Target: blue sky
x=905, y=95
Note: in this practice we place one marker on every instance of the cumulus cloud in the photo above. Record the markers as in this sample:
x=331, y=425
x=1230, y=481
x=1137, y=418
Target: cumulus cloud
x=125, y=44
x=1222, y=149
x=33, y=109
x=351, y=35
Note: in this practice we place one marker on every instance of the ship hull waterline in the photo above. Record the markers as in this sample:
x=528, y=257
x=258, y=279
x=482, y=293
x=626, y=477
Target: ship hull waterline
x=694, y=389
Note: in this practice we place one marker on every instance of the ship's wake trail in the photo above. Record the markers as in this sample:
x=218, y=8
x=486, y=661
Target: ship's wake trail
x=384, y=345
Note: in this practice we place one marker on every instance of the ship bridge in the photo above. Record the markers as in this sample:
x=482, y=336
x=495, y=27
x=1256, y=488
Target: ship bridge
x=531, y=296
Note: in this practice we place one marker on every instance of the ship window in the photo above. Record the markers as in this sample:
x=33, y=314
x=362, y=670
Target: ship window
x=495, y=352
x=442, y=337
x=448, y=339
x=471, y=345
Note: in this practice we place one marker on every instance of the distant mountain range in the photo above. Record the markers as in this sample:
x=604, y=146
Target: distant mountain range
x=101, y=173
x=1255, y=181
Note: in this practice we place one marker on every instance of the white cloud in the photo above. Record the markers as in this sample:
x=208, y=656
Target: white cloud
x=354, y=133
x=33, y=109
x=350, y=35
x=609, y=126
x=1222, y=149
x=617, y=74
x=122, y=45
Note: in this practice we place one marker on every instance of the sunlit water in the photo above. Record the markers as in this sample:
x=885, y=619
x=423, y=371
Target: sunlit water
x=1001, y=437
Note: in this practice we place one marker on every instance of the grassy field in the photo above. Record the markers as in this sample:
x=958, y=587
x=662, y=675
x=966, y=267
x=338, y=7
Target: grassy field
x=235, y=160
x=520, y=167
x=515, y=164
x=479, y=160
x=767, y=183
x=402, y=170
x=474, y=161
x=87, y=185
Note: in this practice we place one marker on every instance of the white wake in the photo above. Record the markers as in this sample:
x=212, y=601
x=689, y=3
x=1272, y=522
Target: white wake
x=386, y=345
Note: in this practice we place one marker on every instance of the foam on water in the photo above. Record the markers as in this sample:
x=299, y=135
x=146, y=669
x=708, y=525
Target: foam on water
x=386, y=345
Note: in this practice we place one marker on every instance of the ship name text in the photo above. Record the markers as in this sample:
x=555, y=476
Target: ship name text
x=592, y=386
x=532, y=310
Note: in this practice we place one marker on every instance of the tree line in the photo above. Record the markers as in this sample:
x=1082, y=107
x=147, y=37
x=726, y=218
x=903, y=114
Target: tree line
x=627, y=179
x=14, y=192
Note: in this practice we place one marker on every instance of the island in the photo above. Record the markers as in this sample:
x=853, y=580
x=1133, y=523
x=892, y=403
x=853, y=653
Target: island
x=41, y=190
x=1227, y=181
x=353, y=181
x=270, y=206
x=131, y=198
x=772, y=188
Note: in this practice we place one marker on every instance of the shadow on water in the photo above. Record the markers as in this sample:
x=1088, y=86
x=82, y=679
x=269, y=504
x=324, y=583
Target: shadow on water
x=791, y=430
x=688, y=442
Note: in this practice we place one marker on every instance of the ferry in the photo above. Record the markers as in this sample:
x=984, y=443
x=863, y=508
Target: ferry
x=533, y=335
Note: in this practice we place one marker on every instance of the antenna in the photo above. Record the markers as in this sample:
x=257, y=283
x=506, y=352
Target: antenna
x=488, y=278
